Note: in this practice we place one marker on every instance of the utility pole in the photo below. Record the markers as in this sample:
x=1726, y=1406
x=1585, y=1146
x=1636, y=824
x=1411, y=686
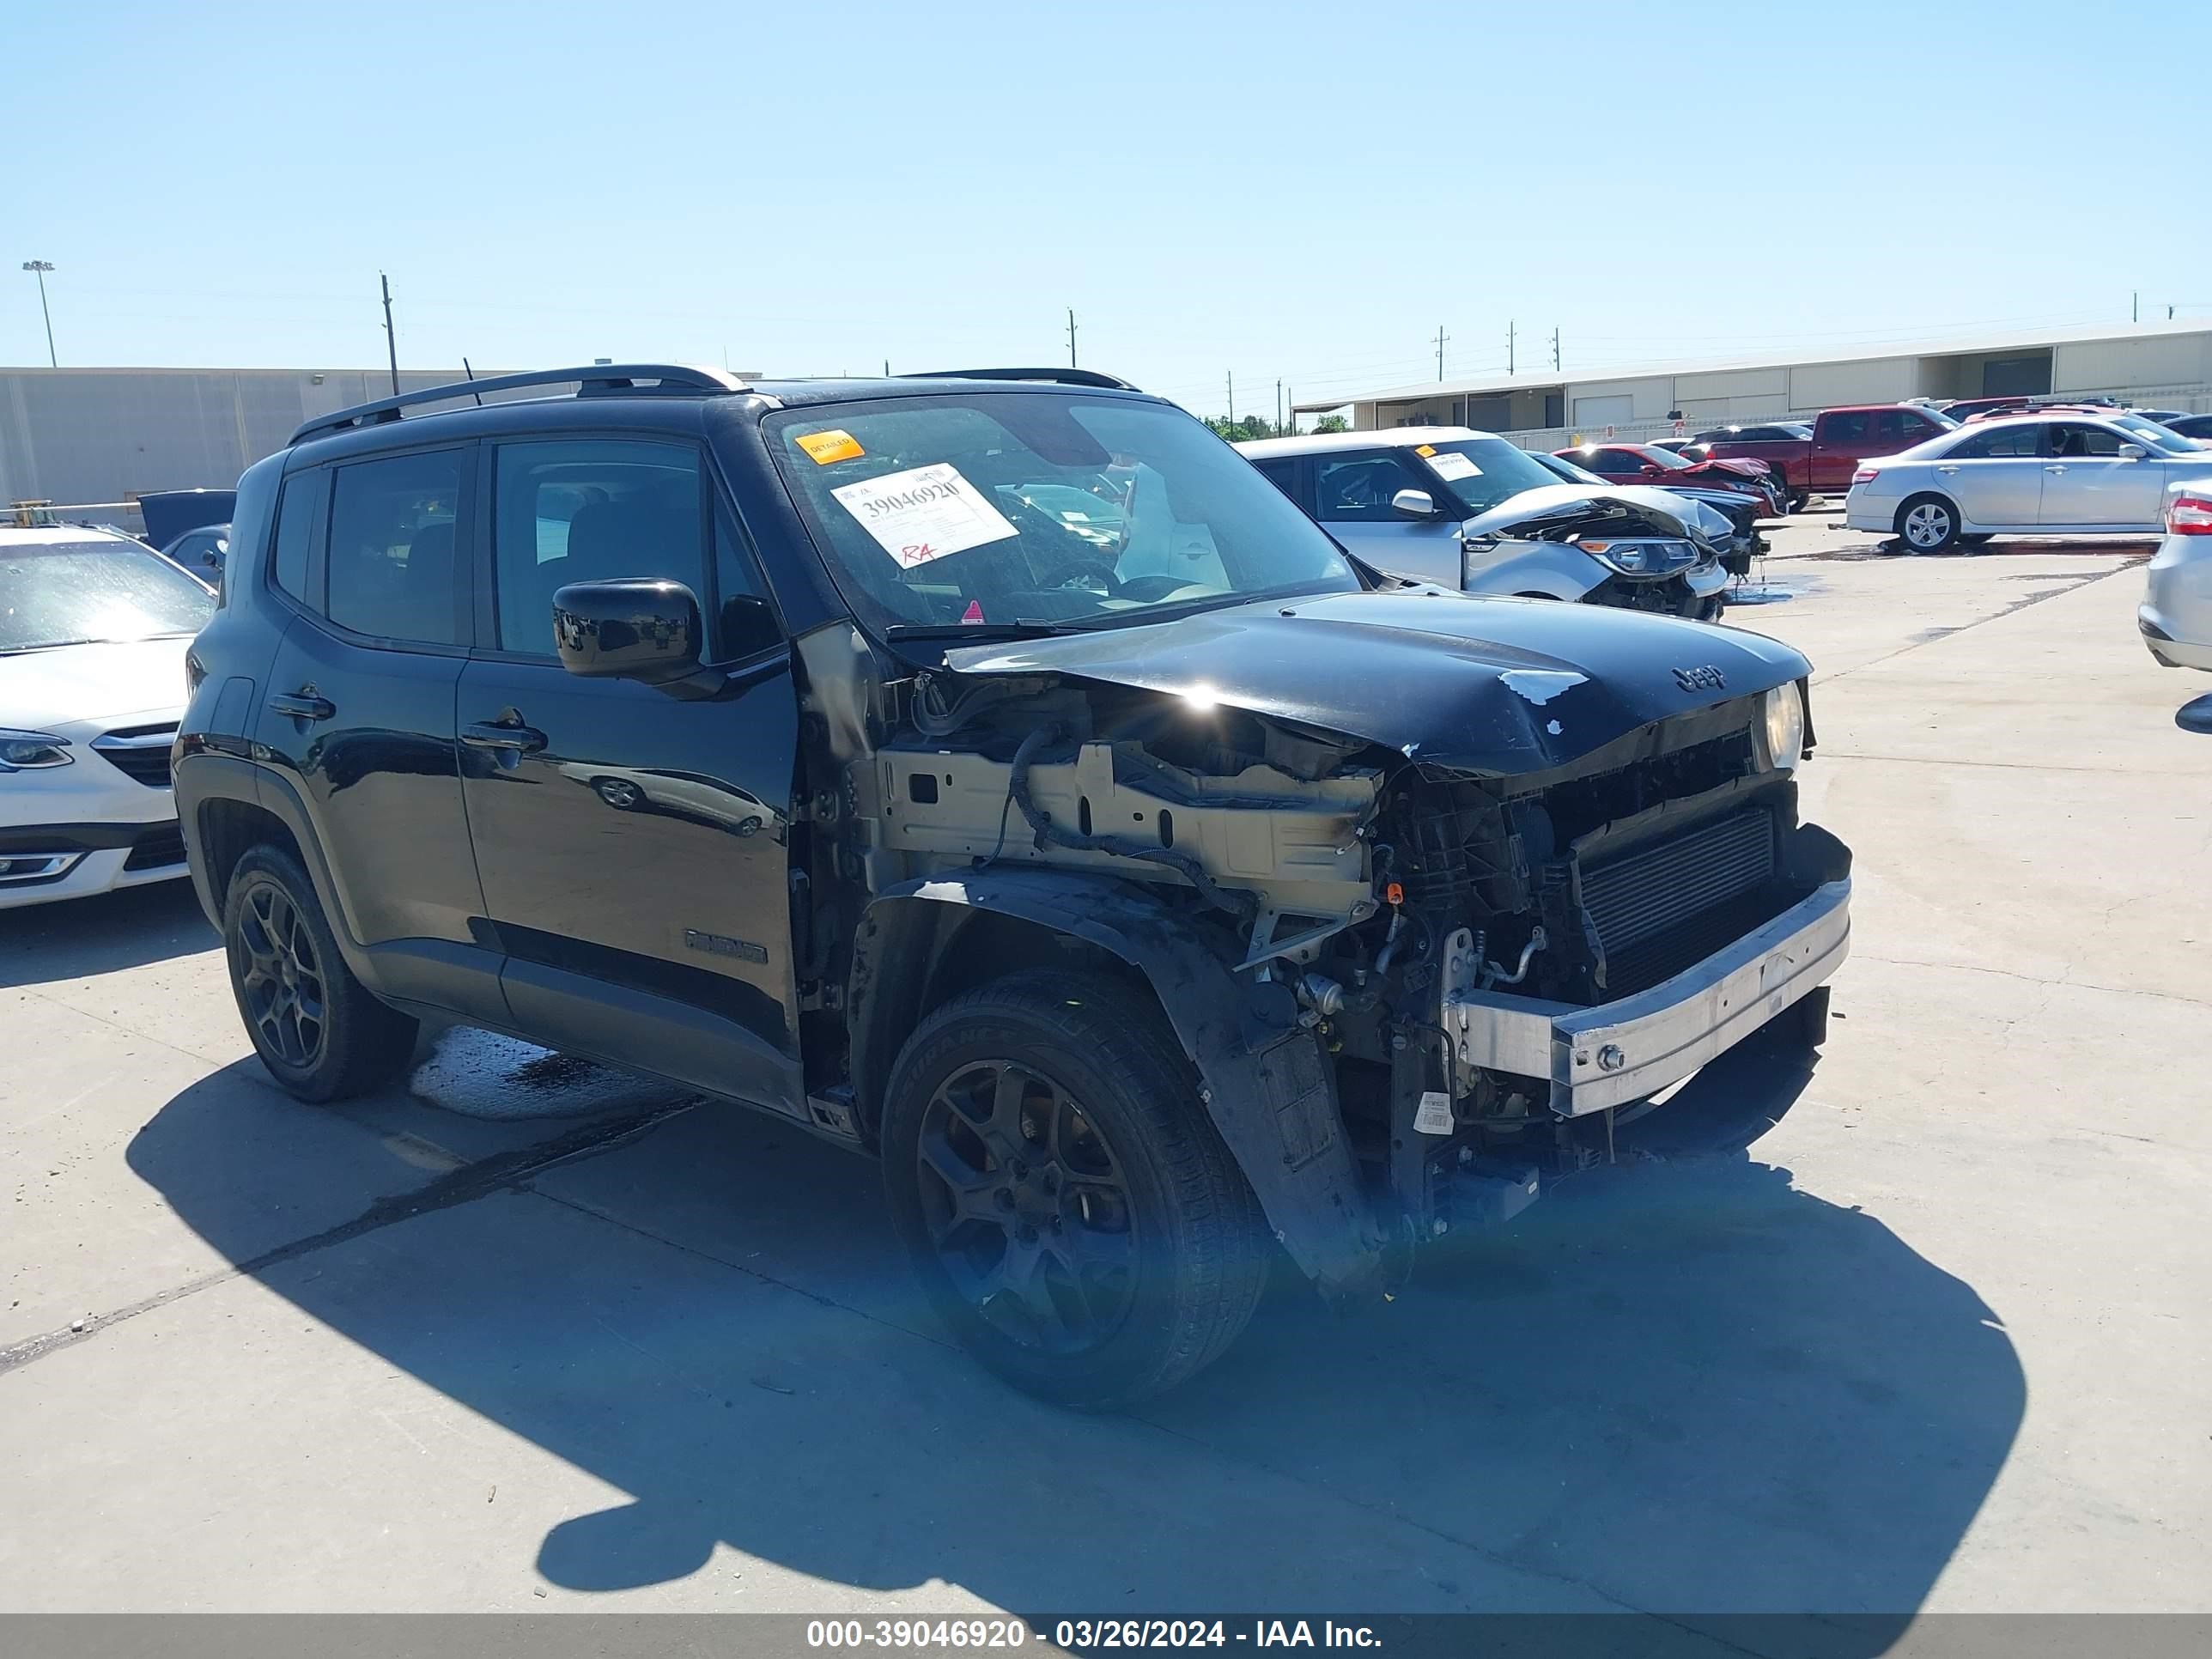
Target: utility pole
x=1441, y=337
x=1233, y=396
x=1555, y=351
x=39, y=268
x=1512, y=333
x=2135, y=306
x=1279, y=408
x=1071, y=337
x=1294, y=411
x=391, y=340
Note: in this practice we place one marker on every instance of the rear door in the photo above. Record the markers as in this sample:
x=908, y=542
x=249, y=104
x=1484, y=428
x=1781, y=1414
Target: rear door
x=2085, y=481
x=1994, y=475
x=1352, y=490
x=633, y=842
x=1839, y=440
x=359, y=711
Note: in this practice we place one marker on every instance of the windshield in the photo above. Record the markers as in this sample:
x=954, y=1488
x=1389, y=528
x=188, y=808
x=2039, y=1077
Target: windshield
x=75, y=593
x=1040, y=508
x=1480, y=472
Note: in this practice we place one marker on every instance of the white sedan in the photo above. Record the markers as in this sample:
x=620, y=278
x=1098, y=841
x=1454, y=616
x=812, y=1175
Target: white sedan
x=92, y=632
x=2034, y=475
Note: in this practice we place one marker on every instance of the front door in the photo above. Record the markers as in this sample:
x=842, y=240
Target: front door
x=358, y=713
x=1352, y=491
x=1994, y=475
x=633, y=843
x=2086, y=481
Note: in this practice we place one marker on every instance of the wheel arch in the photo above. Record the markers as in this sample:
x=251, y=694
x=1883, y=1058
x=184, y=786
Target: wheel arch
x=1267, y=1086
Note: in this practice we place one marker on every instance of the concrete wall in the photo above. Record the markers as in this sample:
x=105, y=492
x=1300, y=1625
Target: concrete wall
x=75, y=435
x=2114, y=365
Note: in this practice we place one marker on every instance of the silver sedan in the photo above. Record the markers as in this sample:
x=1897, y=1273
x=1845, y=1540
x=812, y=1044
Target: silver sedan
x=2035, y=475
x=2176, y=614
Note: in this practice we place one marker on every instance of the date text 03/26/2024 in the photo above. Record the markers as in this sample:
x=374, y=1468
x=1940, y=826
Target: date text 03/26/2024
x=1087, y=1635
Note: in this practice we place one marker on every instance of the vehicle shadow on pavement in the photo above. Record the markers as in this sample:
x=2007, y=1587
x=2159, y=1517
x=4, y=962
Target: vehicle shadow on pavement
x=1679, y=1386
x=81, y=939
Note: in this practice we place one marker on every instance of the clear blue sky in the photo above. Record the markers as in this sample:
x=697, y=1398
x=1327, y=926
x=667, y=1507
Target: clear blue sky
x=1297, y=191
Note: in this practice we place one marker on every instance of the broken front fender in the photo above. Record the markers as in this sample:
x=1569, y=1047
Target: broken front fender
x=1266, y=1084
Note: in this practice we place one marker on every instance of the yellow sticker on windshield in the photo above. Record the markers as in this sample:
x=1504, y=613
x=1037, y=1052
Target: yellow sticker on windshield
x=823, y=447
x=1425, y=450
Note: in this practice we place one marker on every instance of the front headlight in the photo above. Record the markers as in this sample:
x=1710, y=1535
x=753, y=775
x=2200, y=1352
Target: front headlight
x=31, y=751
x=1784, y=727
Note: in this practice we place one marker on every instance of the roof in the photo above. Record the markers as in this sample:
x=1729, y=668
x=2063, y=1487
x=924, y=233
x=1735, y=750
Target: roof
x=1396, y=437
x=57, y=534
x=1928, y=346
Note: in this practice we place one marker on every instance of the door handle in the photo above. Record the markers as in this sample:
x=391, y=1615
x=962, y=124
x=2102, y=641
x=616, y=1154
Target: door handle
x=303, y=705
x=2054, y=469
x=492, y=734
x=1947, y=469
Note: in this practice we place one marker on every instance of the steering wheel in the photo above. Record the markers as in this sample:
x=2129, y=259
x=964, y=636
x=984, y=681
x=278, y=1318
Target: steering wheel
x=1071, y=559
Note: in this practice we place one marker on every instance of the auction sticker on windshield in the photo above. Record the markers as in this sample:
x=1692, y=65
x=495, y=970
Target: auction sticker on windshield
x=924, y=513
x=1452, y=467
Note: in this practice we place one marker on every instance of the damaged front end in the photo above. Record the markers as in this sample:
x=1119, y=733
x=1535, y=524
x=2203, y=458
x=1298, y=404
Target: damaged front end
x=1659, y=553
x=1435, y=903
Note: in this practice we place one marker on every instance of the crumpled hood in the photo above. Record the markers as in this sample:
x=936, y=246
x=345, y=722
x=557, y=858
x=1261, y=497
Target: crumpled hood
x=1560, y=511
x=1461, y=682
x=42, y=690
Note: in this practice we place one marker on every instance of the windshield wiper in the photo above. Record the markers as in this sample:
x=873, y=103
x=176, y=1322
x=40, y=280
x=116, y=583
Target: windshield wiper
x=978, y=633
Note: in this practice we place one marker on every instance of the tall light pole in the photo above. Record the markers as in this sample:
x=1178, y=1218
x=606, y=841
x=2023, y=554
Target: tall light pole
x=39, y=268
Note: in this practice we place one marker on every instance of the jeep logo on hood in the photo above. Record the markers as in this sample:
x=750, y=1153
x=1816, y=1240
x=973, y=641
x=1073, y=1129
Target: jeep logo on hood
x=1707, y=678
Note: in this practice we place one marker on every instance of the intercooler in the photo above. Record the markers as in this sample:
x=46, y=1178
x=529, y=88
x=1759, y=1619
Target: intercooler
x=1655, y=909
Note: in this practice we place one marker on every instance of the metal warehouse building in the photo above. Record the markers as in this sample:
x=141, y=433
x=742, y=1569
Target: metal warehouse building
x=2168, y=365
x=103, y=437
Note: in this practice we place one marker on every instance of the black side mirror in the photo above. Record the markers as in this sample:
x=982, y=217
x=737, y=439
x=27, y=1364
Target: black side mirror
x=637, y=629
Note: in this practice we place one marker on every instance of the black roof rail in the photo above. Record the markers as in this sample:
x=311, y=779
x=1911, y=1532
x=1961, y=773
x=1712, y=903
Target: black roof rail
x=1090, y=377
x=599, y=379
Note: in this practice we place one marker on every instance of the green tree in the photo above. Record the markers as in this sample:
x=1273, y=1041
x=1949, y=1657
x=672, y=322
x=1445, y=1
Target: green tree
x=1332, y=423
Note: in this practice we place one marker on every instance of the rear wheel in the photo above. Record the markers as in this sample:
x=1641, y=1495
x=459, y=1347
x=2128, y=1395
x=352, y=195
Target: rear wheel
x=1072, y=1212
x=317, y=1029
x=1796, y=500
x=1927, y=524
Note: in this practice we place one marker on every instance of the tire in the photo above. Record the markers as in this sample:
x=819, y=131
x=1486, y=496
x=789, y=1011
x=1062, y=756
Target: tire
x=317, y=1029
x=1137, y=1250
x=1796, y=500
x=619, y=793
x=1927, y=524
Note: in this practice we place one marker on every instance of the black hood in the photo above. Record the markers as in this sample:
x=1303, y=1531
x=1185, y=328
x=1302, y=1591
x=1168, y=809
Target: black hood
x=1459, y=681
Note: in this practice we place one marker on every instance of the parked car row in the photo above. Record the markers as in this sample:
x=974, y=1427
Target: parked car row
x=1471, y=511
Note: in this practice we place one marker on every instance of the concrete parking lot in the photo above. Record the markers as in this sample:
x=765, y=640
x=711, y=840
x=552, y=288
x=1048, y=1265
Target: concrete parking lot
x=1940, y=1341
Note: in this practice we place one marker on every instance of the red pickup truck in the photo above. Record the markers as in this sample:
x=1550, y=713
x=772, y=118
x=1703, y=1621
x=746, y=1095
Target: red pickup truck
x=1820, y=458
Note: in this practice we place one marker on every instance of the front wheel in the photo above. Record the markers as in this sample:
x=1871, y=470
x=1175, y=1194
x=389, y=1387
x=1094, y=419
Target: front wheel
x=1797, y=501
x=1927, y=524
x=1072, y=1212
x=317, y=1029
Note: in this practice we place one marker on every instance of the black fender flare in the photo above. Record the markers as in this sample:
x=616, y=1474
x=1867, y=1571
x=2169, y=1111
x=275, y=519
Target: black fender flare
x=1264, y=1080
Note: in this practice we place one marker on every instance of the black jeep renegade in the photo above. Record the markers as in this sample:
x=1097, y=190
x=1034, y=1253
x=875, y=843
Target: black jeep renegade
x=993, y=772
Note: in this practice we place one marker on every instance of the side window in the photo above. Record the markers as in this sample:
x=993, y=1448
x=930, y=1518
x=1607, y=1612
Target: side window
x=744, y=622
x=2093, y=442
x=1283, y=475
x=394, y=559
x=1613, y=463
x=1918, y=428
x=294, y=519
x=1848, y=428
x=2003, y=443
x=591, y=510
x=1357, y=489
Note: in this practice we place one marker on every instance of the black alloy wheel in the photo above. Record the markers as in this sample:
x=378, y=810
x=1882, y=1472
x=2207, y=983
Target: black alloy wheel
x=280, y=989
x=1028, y=1208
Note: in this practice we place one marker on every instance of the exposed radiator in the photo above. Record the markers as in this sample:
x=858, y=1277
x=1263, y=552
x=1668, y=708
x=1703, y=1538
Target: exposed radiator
x=1646, y=907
